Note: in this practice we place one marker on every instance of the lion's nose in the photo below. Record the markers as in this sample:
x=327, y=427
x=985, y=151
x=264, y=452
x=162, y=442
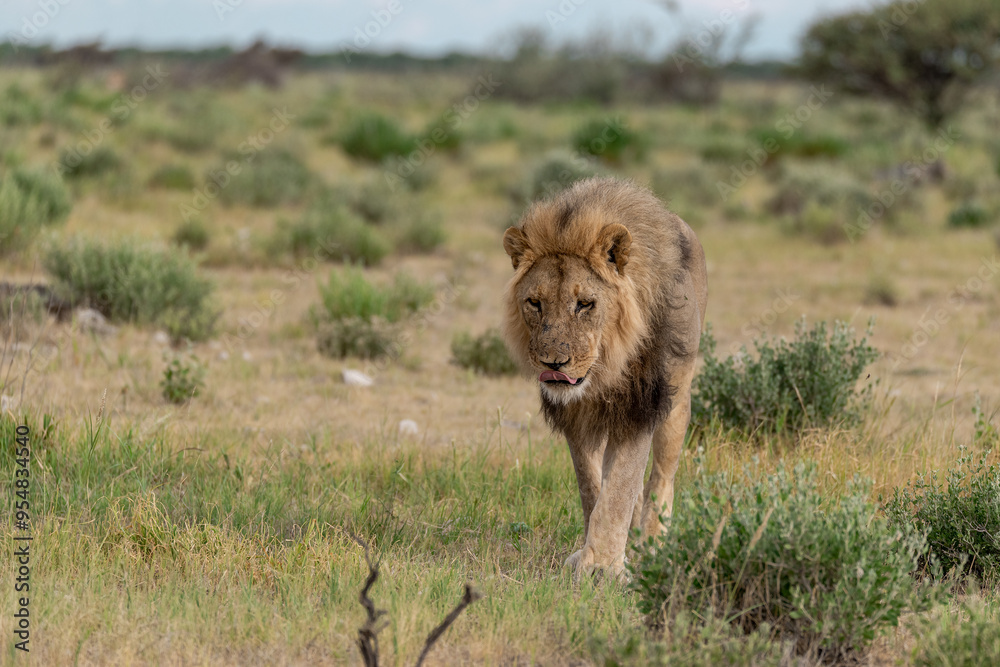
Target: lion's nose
x=556, y=365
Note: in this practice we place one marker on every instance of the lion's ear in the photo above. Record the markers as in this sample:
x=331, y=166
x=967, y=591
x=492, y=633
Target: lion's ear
x=515, y=243
x=613, y=245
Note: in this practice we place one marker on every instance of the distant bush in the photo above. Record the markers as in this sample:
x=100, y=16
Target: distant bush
x=275, y=176
x=966, y=637
x=969, y=214
x=807, y=382
x=961, y=516
x=486, y=354
x=421, y=232
x=687, y=184
x=97, y=162
x=29, y=201
x=129, y=282
x=17, y=107
x=172, y=177
x=799, y=145
x=443, y=136
x=358, y=318
x=774, y=551
x=608, y=140
x=374, y=137
x=183, y=379
x=332, y=231
x=882, y=291
x=192, y=233
x=19, y=312
x=551, y=175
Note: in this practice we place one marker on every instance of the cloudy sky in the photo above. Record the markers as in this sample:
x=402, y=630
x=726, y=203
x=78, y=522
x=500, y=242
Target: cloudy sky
x=426, y=27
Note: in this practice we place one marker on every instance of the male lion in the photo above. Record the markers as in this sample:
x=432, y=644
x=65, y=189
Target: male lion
x=606, y=308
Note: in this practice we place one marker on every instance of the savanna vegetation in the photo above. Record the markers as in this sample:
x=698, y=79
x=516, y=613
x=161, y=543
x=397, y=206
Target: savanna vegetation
x=192, y=260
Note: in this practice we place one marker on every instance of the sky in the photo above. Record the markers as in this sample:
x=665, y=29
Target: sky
x=424, y=27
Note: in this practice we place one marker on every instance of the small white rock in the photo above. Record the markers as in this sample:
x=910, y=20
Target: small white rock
x=357, y=378
x=161, y=338
x=408, y=427
x=223, y=355
x=91, y=321
x=246, y=356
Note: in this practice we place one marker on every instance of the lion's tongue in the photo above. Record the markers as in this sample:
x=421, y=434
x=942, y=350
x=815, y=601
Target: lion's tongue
x=546, y=376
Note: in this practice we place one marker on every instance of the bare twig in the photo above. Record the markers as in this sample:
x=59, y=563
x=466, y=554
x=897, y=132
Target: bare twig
x=471, y=595
x=368, y=633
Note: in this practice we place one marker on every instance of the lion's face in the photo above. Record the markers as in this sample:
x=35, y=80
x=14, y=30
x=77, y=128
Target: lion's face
x=564, y=305
x=561, y=308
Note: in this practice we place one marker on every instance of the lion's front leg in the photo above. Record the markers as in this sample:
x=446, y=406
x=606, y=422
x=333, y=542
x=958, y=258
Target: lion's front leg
x=621, y=482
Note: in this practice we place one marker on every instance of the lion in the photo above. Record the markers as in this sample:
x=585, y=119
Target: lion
x=606, y=308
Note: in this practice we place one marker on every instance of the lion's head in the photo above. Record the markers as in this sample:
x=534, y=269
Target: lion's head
x=571, y=315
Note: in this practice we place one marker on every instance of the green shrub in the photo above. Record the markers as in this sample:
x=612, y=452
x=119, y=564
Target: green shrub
x=192, y=234
x=172, y=177
x=95, y=162
x=357, y=337
x=17, y=107
x=29, y=201
x=129, y=282
x=182, y=380
x=486, y=354
x=969, y=214
x=799, y=145
x=968, y=637
x=374, y=137
x=961, y=516
x=331, y=231
x=443, y=137
x=361, y=319
x=274, y=176
x=803, y=383
x=774, y=550
x=554, y=173
x=824, y=203
x=723, y=151
x=349, y=294
x=608, y=140
x=421, y=232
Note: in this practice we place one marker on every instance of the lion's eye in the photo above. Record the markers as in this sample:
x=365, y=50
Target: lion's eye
x=584, y=305
x=535, y=303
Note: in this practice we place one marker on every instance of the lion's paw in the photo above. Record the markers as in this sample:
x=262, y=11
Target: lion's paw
x=584, y=562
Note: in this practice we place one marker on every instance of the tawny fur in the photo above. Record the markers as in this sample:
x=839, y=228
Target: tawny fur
x=610, y=288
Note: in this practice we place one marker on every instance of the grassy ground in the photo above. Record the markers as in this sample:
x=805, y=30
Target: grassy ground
x=217, y=532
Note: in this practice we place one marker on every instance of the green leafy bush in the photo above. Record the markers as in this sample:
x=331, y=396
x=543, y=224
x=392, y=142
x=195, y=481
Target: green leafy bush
x=608, y=140
x=359, y=318
x=969, y=214
x=374, y=137
x=961, y=516
x=95, y=162
x=421, y=232
x=773, y=550
x=172, y=177
x=485, y=354
x=349, y=294
x=779, y=144
x=182, y=380
x=29, y=201
x=554, y=173
x=18, y=107
x=274, y=176
x=803, y=383
x=332, y=231
x=968, y=637
x=129, y=282
x=192, y=233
